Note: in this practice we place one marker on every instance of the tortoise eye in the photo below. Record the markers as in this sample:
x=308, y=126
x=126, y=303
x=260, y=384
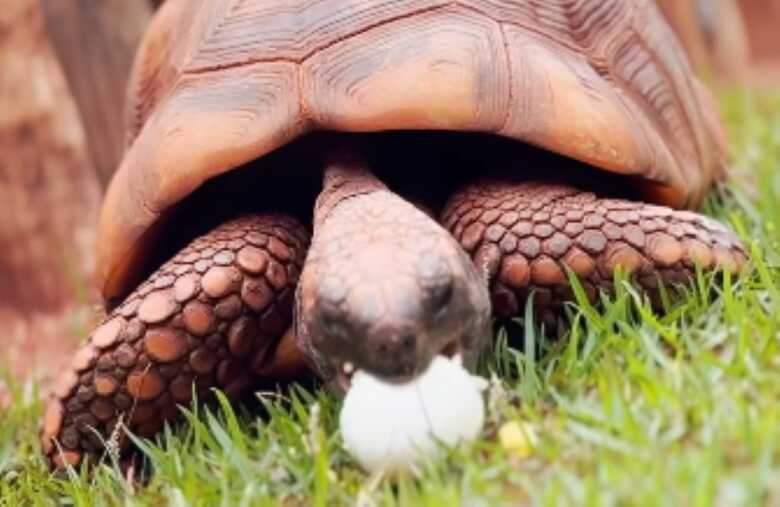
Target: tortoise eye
x=332, y=324
x=438, y=297
x=437, y=282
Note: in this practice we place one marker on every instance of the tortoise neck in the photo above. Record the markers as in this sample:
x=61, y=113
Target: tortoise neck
x=346, y=175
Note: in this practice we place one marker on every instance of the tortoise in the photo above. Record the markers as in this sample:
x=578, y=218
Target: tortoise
x=451, y=158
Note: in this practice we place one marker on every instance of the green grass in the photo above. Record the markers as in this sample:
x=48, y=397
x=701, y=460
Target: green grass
x=633, y=409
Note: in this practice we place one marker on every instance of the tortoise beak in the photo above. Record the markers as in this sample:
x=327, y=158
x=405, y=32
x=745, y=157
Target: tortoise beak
x=457, y=349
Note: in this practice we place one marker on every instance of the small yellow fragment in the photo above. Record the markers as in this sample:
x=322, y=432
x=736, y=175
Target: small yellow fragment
x=518, y=437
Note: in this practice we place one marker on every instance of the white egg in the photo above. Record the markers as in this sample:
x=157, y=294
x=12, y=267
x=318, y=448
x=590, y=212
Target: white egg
x=390, y=427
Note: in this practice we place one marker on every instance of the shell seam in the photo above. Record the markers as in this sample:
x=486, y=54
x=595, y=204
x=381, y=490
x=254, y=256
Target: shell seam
x=510, y=75
x=674, y=89
x=304, y=58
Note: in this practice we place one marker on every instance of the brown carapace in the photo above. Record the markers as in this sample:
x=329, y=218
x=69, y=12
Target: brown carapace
x=609, y=135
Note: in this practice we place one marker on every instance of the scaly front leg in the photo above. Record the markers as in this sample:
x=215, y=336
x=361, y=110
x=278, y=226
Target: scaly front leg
x=212, y=316
x=522, y=236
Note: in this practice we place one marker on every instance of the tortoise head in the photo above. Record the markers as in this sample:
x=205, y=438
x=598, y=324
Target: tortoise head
x=385, y=289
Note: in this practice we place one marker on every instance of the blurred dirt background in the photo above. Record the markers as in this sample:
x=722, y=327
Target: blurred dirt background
x=49, y=198
x=63, y=69
x=735, y=41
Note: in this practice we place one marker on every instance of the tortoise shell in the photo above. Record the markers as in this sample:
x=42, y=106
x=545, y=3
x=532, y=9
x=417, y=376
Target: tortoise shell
x=219, y=83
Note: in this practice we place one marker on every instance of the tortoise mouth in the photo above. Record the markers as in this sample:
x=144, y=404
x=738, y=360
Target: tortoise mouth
x=346, y=369
x=425, y=167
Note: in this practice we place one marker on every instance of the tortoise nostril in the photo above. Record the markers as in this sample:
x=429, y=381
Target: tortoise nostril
x=397, y=345
x=391, y=352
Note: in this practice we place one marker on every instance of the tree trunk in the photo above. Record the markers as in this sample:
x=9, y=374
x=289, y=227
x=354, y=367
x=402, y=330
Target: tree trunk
x=763, y=18
x=712, y=32
x=95, y=41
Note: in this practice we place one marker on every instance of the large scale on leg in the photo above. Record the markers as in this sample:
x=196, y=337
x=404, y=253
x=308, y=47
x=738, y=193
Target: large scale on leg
x=385, y=289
